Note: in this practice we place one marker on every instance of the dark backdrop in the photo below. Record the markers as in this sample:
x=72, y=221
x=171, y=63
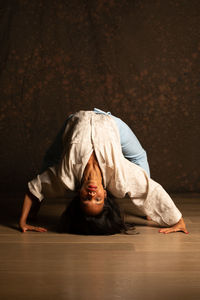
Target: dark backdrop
x=138, y=59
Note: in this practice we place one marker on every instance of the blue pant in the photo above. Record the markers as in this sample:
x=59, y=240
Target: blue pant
x=131, y=147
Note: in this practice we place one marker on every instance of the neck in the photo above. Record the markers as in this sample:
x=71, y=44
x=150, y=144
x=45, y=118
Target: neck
x=92, y=170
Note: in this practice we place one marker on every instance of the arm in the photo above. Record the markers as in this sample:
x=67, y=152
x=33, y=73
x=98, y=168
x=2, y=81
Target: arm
x=24, y=215
x=153, y=200
x=162, y=209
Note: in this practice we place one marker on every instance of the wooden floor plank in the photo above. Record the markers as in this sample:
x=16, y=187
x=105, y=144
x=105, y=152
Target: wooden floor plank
x=61, y=266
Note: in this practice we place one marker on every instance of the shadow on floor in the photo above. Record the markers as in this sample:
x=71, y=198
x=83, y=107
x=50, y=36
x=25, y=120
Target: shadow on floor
x=48, y=213
x=48, y=216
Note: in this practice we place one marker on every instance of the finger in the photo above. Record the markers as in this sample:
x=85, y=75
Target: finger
x=170, y=230
x=173, y=229
x=33, y=228
x=162, y=230
x=180, y=229
x=167, y=230
x=30, y=228
x=43, y=229
x=40, y=229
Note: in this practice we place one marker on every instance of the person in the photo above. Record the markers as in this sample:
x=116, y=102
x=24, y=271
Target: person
x=97, y=154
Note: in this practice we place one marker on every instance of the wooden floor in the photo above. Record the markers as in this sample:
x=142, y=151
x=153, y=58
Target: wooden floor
x=56, y=266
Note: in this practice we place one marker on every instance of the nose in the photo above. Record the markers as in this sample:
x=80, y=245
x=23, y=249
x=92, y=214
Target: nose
x=91, y=193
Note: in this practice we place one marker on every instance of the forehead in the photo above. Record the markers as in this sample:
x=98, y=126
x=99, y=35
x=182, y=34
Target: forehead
x=92, y=208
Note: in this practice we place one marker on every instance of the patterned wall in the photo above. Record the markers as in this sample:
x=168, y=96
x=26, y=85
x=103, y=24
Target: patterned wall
x=138, y=59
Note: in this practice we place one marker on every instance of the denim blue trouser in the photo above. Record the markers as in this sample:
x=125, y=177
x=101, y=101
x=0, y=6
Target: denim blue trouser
x=131, y=147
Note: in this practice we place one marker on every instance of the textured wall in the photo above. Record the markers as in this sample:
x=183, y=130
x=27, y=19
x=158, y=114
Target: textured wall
x=138, y=59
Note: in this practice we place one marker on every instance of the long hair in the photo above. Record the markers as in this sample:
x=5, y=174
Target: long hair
x=108, y=222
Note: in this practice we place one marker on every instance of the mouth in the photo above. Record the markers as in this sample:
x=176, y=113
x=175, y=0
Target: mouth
x=91, y=190
x=91, y=186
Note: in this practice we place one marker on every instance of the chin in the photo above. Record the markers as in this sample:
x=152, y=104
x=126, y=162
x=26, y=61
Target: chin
x=92, y=181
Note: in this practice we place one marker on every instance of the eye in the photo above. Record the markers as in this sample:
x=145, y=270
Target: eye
x=98, y=199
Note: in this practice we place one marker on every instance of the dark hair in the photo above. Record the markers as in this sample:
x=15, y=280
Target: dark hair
x=108, y=222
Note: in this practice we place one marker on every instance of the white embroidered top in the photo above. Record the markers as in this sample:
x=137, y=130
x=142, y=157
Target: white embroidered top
x=87, y=132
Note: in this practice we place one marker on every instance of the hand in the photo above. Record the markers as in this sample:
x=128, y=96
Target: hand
x=180, y=226
x=25, y=227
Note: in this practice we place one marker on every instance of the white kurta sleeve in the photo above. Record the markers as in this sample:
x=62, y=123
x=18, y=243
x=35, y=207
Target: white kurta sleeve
x=47, y=185
x=159, y=206
x=151, y=198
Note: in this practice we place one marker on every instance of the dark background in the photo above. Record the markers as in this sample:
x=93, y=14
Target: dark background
x=138, y=59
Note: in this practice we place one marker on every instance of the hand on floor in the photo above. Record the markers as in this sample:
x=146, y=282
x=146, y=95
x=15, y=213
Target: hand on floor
x=25, y=227
x=180, y=226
